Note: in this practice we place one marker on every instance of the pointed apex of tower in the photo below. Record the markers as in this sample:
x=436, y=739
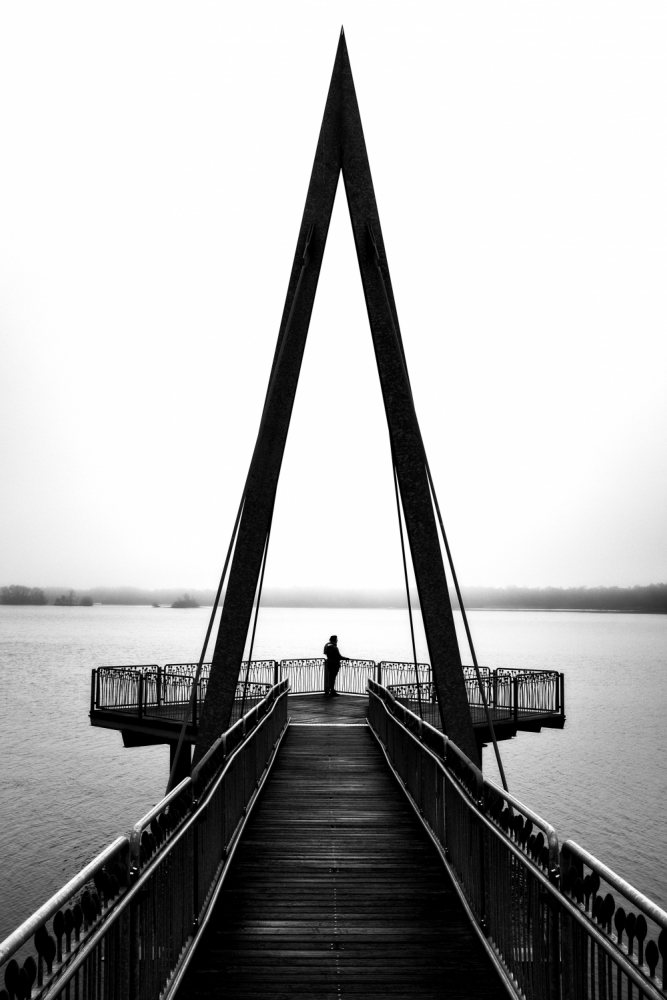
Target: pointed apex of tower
x=342, y=42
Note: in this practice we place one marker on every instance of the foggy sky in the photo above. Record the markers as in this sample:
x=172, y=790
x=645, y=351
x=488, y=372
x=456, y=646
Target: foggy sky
x=155, y=162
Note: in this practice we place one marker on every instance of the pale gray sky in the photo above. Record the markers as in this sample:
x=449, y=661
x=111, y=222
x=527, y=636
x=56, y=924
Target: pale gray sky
x=154, y=162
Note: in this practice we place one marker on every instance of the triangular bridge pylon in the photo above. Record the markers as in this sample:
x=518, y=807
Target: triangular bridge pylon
x=340, y=148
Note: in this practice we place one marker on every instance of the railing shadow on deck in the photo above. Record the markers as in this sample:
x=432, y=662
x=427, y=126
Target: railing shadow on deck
x=539, y=908
x=124, y=926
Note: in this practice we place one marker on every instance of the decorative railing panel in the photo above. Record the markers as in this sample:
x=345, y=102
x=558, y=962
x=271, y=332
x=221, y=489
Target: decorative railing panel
x=164, y=692
x=391, y=672
x=630, y=923
x=77, y=911
x=305, y=676
x=247, y=696
x=123, y=926
x=472, y=686
x=353, y=676
x=119, y=687
x=511, y=695
x=552, y=932
x=532, y=691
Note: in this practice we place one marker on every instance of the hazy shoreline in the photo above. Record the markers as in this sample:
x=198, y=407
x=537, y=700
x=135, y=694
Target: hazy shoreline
x=651, y=599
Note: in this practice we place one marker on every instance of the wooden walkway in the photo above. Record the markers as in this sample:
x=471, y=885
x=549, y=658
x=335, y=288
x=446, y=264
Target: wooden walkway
x=335, y=890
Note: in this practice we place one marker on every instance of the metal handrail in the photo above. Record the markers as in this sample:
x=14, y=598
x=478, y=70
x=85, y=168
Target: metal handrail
x=648, y=929
x=153, y=814
x=642, y=902
x=511, y=694
x=578, y=953
x=107, y=927
x=28, y=928
x=487, y=794
x=147, y=686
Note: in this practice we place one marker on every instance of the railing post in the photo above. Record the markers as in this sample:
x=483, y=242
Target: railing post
x=195, y=875
x=562, y=694
x=555, y=969
x=515, y=695
x=194, y=705
x=135, y=932
x=495, y=688
x=141, y=695
x=93, y=687
x=276, y=672
x=159, y=686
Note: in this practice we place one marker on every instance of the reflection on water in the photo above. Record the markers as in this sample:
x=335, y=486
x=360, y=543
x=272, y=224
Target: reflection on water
x=67, y=789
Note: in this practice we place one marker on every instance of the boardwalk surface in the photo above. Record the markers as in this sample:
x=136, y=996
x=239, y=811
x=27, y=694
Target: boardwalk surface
x=335, y=890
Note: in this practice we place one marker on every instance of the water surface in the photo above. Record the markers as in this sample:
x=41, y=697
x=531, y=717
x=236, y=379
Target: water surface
x=67, y=789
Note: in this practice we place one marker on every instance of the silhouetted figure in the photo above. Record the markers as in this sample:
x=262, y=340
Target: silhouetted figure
x=332, y=666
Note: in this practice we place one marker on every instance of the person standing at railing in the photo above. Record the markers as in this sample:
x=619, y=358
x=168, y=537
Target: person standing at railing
x=332, y=665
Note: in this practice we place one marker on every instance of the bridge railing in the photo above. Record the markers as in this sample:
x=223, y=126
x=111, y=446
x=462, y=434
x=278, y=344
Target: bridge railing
x=122, y=928
x=306, y=676
x=538, y=908
x=512, y=694
x=164, y=692
x=353, y=676
x=391, y=672
x=626, y=919
x=529, y=692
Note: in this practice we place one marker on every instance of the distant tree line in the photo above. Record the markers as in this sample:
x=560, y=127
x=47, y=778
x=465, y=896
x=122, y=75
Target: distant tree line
x=16, y=594
x=650, y=599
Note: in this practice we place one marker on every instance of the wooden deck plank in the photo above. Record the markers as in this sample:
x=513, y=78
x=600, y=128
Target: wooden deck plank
x=335, y=889
x=315, y=709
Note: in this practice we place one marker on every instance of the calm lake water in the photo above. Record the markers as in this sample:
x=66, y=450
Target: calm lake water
x=67, y=789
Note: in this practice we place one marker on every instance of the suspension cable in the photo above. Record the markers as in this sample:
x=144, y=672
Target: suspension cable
x=399, y=342
x=305, y=260
x=407, y=593
x=254, y=627
x=468, y=633
x=195, y=682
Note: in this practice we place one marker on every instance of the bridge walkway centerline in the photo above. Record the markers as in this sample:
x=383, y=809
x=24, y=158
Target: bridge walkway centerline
x=335, y=889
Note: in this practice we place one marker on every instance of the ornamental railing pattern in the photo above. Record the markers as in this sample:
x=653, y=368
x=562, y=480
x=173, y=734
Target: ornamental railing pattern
x=557, y=922
x=150, y=691
x=124, y=926
x=396, y=672
x=306, y=676
x=512, y=695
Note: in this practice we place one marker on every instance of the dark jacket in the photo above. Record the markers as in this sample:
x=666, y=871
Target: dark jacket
x=333, y=655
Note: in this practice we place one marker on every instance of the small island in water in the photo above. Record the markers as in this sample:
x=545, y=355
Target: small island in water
x=70, y=600
x=185, y=602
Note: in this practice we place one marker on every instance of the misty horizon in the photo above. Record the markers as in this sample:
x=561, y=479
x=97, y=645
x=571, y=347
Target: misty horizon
x=648, y=598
